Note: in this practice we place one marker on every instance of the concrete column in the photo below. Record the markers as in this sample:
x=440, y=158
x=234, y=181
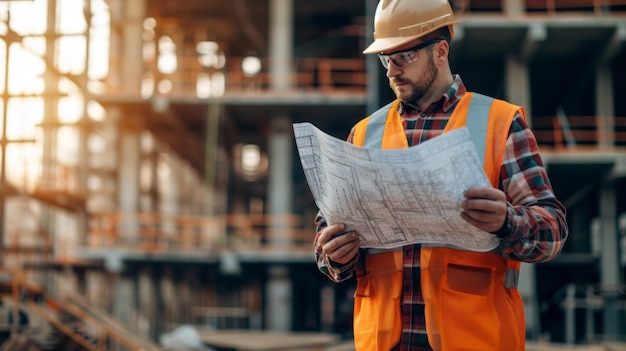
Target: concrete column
x=147, y=319
x=605, y=110
x=128, y=180
x=372, y=63
x=278, y=303
x=127, y=44
x=610, y=277
x=129, y=161
x=169, y=199
x=513, y=7
x=135, y=13
x=123, y=298
x=518, y=84
x=280, y=188
x=280, y=192
x=528, y=289
x=281, y=43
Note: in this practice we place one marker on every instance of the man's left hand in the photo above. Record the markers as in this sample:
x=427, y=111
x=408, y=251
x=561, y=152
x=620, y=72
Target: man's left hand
x=485, y=208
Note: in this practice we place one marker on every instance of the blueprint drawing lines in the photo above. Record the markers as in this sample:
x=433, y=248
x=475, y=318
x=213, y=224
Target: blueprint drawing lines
x=396, y=197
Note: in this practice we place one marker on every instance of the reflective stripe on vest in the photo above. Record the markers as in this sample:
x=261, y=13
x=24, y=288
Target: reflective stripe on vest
x=478, y=108
x=376, y=128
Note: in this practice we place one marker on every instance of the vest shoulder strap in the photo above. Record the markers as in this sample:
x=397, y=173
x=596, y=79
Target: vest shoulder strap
x=478, y=110
x=478, y=122
x=376, y=127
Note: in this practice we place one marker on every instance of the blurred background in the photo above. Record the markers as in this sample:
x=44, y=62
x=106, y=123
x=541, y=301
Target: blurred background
x=151, y=196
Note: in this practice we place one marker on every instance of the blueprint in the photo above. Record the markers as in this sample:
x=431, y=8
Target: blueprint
x=396, y=197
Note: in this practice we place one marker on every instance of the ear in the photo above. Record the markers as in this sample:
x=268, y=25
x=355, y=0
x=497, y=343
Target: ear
x=441, y=51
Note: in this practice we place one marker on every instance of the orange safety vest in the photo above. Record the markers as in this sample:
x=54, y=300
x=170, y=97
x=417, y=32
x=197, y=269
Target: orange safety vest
x=471, y=298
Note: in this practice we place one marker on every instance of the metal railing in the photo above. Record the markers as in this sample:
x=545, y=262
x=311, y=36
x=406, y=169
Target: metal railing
x=549, y=7
x=329, y=75
x=562, y=132
x=148, y=231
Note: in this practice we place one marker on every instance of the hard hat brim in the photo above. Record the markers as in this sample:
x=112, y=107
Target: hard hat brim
x=388, y=44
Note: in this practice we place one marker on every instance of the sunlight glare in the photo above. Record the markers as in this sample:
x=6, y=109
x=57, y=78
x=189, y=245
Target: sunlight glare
x=95, y=111
x=28, y=17
x=72, y=55
x=24, y=116
x=26, y=74
x=67, y=152
x=28, y=68
x=71, y=18
x=70, y=107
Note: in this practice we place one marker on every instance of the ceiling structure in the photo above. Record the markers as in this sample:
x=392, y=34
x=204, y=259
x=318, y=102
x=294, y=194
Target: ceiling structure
x=563, y=60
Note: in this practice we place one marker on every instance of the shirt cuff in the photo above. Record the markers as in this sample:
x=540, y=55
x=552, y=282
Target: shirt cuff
x=341, y=271
x=507, y=226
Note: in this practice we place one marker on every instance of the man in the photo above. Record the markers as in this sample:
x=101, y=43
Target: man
x=441, y=298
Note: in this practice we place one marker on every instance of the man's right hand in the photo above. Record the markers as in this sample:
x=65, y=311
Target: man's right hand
x=338, y=247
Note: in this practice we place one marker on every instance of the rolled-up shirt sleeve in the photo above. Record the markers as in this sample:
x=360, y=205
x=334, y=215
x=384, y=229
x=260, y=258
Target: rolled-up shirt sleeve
x=536, y=227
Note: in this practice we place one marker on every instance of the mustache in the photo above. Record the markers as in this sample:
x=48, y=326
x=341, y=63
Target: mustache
x=397, y=80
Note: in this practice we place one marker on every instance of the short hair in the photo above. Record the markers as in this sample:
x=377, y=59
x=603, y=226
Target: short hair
x=441, y=33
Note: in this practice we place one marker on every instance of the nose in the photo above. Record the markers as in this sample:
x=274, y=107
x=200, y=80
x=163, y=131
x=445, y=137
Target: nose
x=393, y=70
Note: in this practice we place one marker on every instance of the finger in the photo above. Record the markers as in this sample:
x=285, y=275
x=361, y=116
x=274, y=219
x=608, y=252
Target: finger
x=336, y=242
x=343, y=248
x=329, y=232
x=479, y=216
x=488, y=226
x=485, y=193
x=483, y=206
x=345, y=253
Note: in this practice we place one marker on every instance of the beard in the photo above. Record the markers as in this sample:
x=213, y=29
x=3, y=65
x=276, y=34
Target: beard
x=414, y=90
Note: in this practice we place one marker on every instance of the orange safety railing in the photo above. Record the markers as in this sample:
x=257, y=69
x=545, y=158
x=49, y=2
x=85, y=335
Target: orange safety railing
x=550, y=7
x=157, y=232
x=568, y=131
x=308, y=74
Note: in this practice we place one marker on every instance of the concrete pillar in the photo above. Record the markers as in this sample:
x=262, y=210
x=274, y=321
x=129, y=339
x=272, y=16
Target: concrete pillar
x=127, y=44
x=128, y=170
x=128, y=190
x=610, y=277
x=528, y=289
x=170, y=184
x=514, y=7
x=147, y=318
x=605, y=110
x=135, y=13
x=280, y=189
x=278, y=307
x=518, y=84
x=123, y=298
x=281, y=43
x=278, y=302
x=169, y=306
x=372, y=63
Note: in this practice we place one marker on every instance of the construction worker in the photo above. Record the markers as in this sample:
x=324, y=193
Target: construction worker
x=419, y=297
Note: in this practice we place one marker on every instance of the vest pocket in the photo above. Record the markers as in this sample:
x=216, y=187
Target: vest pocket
x=468, y=279
x=468, y=305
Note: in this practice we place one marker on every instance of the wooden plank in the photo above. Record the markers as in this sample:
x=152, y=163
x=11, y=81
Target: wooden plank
x=255, y=340
x=562, y=347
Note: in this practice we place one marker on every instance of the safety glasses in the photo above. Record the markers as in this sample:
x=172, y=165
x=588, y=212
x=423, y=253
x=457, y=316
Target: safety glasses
x=405, y=58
